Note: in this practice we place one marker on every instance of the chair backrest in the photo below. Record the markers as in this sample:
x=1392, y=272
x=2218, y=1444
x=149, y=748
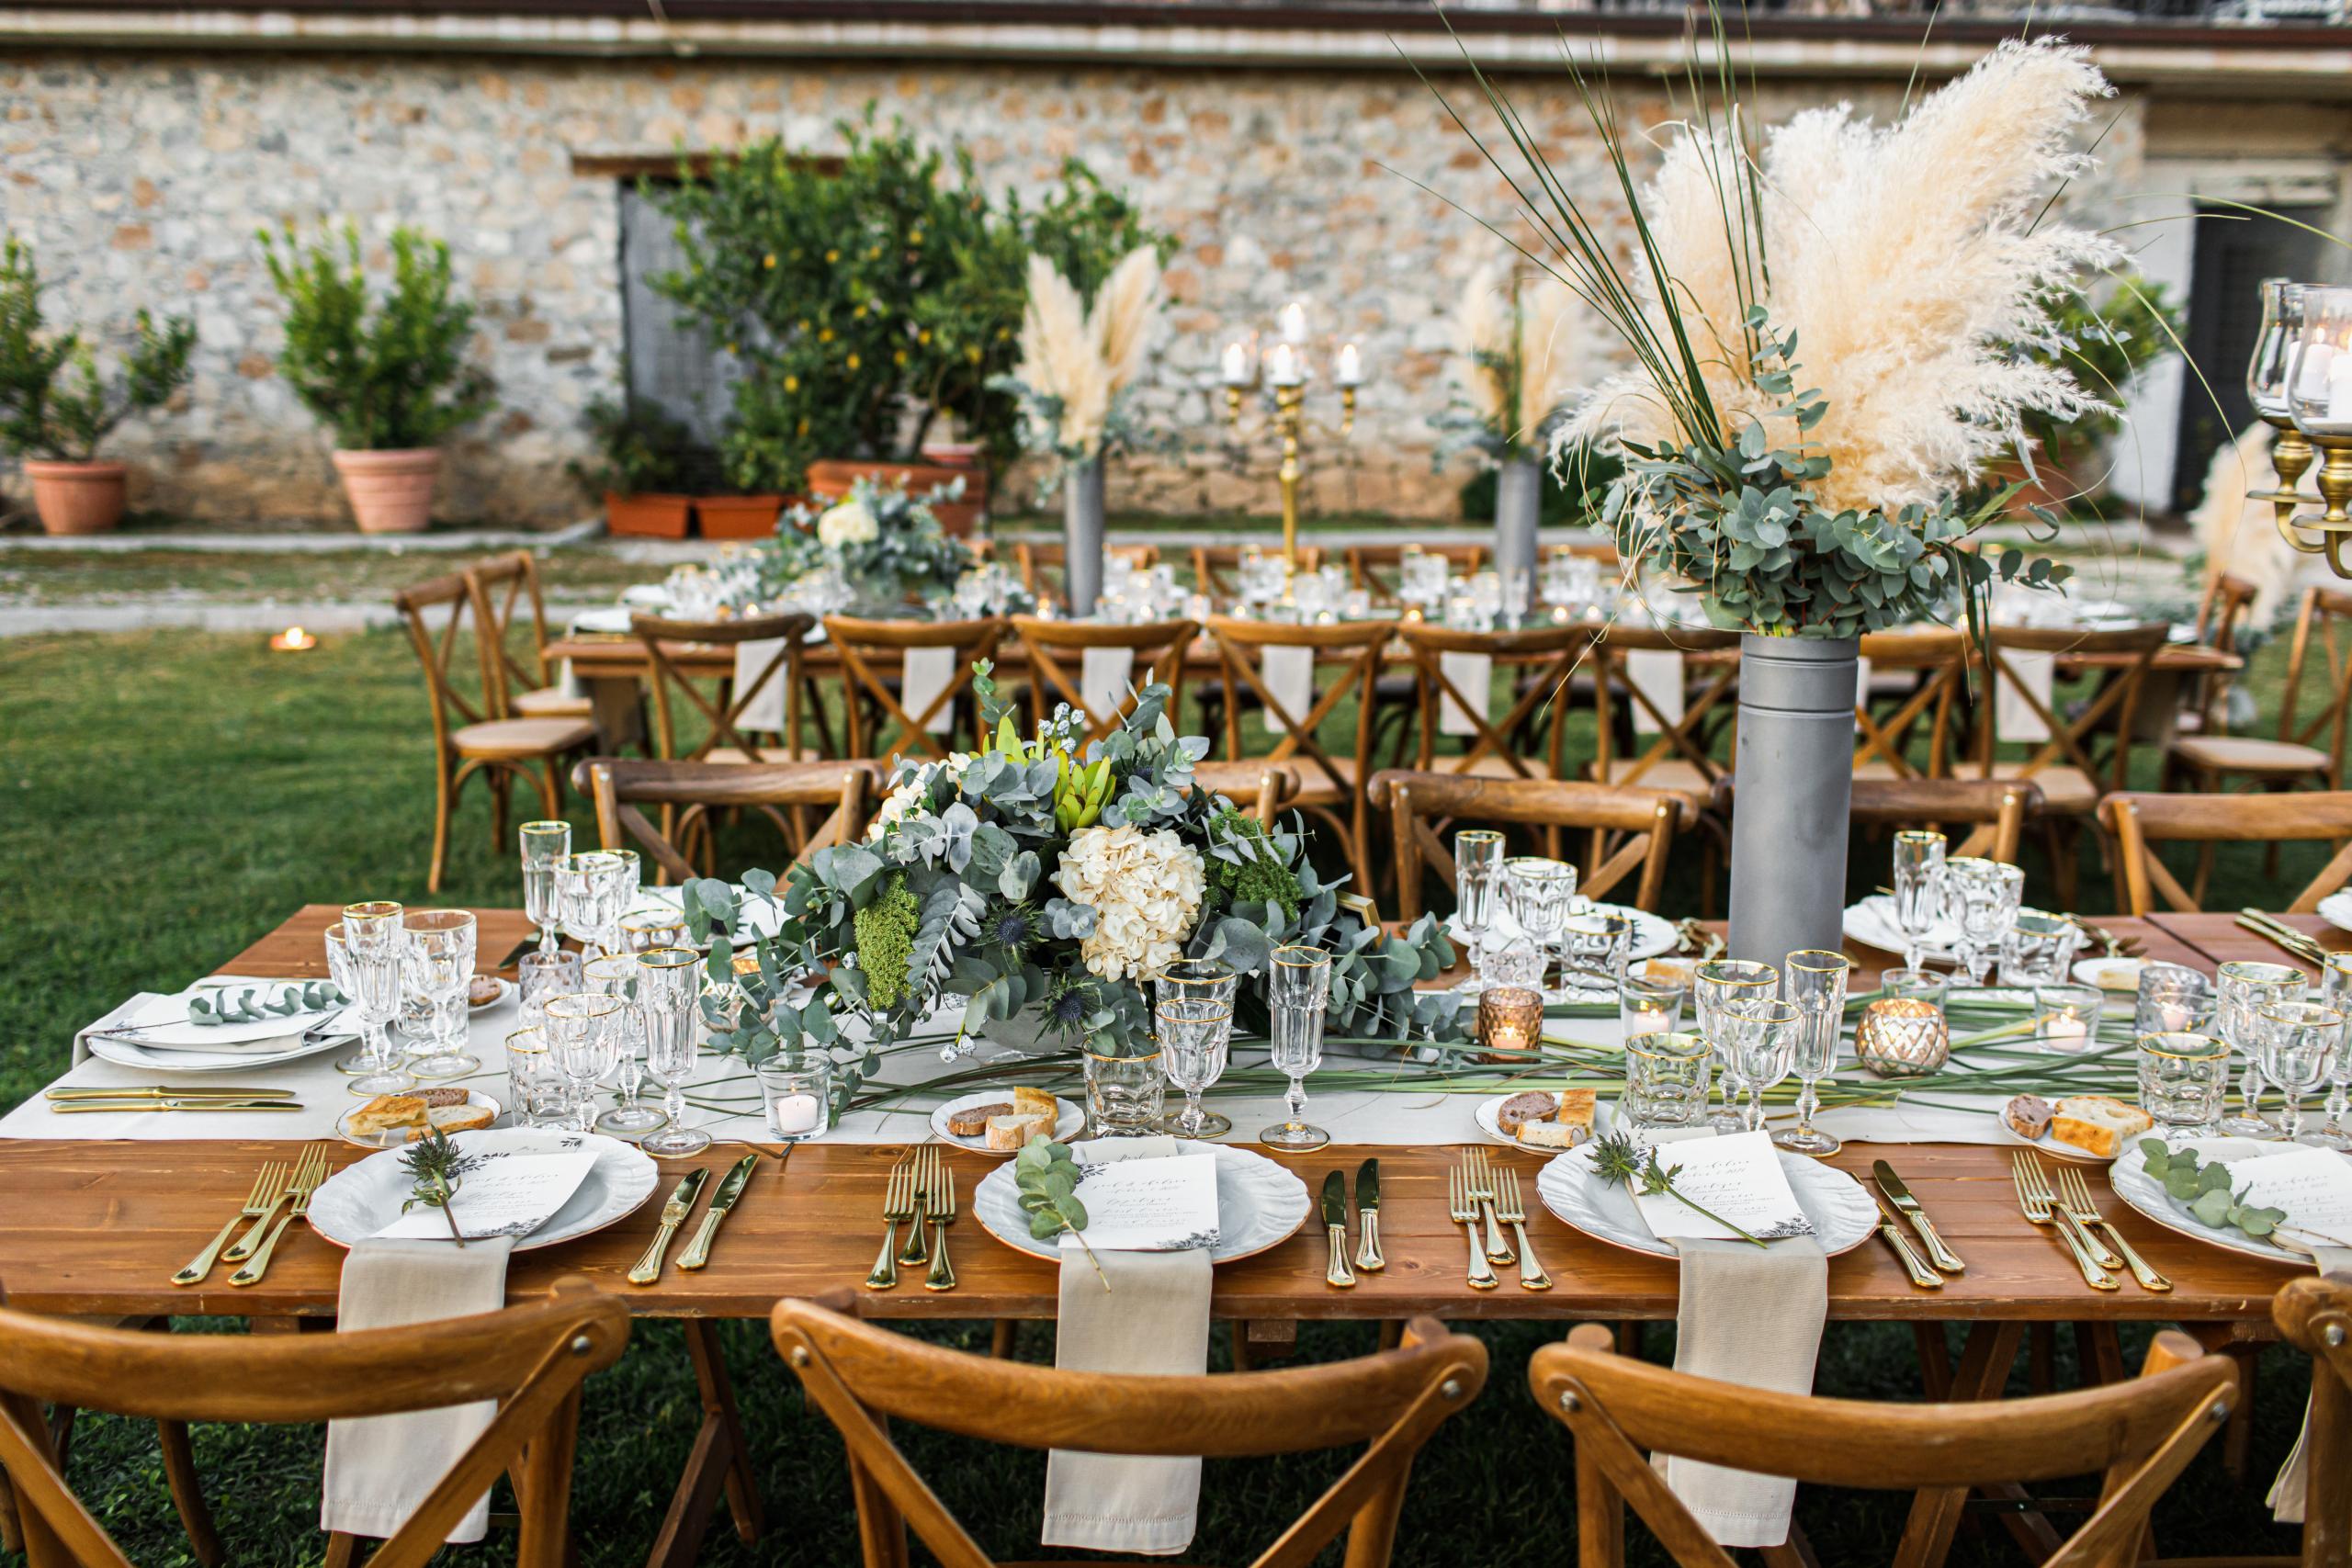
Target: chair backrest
x=1393, y=1401
x=530, y=1358
x=506, y=587
x=874, y=653
x=1375, y=569
x=1416, y=801
x=2114, y=708
x=1213, y=566
x=1996, y=810
x=1615, y=684
x=1044, y=566
x=2139, y=1434
x=2316, y=623
x=2140, y=822
x=436, y=612
x=1553, y=651
x=724, y=705
x=1352, y=650
x=1941, y=655
x=1158, y=649
x=687, y=793
x=2315, y=1314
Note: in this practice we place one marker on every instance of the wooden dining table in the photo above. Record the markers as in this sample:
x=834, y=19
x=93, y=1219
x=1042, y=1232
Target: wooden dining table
x=98, y=1227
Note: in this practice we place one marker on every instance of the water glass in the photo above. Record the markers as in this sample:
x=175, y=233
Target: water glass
x=580, y=1030
x=545, y=846
x=1126, y=1095
x=623, y=873
x=1982, y=897
x=644, y=930
x=543, y=975
x=1919, y=890
x=1214, y=985
x=536, y=1093
x=2038, y=949
x=1715, y=985
x=1649, y=1007
x=1477, y=871
x=616, y=975
x=587, y=888
x=797, y=1087
x=1596, y=946
x=439, y=967
x=1813, y=981
x=2241, y=988
x=1194, y=1033
x=2298, y=1043
x=2172, y=999
x=2184, y=1077
x=669, y=985
x=2335, y=990
x=1666, y=1080
x=1539, y=893
x=1298, y=987
x=2065, y=1017
x=373, y=948
x=1759, y=1047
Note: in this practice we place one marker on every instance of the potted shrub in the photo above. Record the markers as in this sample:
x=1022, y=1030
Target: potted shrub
x=388, y=376
x=54, y=424
x=870, y=306
x=642, y=471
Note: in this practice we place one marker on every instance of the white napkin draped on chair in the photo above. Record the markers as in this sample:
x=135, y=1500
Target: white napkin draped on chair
x=1289, y=674
x=1658, y=674
x=1472, y=675
x=2014, y=717
x=753, y=660
x=1103, y=676
x=927, y=672
x=2287, y=1492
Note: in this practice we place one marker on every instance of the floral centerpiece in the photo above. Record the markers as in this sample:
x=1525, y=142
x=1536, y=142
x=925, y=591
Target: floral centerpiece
x=885, y=547
x=1511, y=375
x=1038, y=885
x=1078, y=361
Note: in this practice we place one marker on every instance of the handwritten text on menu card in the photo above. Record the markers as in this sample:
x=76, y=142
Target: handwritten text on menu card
x=1737, y=1176
x=1150, y=1205
x=2313, y=1186
x=512, y=1194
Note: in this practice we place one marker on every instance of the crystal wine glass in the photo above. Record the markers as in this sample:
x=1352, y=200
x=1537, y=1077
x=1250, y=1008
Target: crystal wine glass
x=1813, y=981
x=2335, y=990
x=439, y=963
x=2299, y=1040
x=1298, y=987
x=1212, y=985
x=1715, y=984
x=545, y=846
x=1477, y=869
x=363, y=1061
x=2241, y=988
x=580, y=1032
x=1919, y=890
x=371, y=940
x=1193, y=1034
x=617, y=974
x=1539, y=893
x=668, y=985
x=1762, y=1035
x=1982, y=896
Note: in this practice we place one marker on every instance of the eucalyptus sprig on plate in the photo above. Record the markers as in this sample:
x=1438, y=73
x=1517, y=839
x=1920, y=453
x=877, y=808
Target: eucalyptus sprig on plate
x=2204, y=1190
x=259, y=1004
x=1047, y=1176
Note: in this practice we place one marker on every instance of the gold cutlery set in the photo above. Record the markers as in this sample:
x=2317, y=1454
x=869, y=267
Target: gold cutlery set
x=2066, y=1208
x=1899, y=1201
x=277, y=1184
x=648, y=1267
x=159, y=1097
x=2297, y=944
x=1479, y=1194
x=920, y=1191
x=1369, y=1258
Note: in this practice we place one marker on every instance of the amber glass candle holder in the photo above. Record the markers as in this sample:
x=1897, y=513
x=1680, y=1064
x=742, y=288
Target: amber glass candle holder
x=1510, y=1021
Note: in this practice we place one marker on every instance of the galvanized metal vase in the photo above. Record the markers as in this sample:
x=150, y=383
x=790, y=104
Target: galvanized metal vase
x=1082, y=534
x=1794, y=774
x=1519, y=507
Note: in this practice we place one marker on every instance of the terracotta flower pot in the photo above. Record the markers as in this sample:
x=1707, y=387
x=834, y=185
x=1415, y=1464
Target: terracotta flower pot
x=656, y=516
x=830, y=478
x=391, y=492
x=76, y=498
x=738, y=516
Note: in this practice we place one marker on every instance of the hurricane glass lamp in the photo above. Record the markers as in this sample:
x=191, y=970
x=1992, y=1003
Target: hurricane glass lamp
x=2318, y=380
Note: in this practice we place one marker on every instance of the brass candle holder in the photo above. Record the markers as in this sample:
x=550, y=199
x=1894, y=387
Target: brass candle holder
x=1287, y=379
x=2293, y=399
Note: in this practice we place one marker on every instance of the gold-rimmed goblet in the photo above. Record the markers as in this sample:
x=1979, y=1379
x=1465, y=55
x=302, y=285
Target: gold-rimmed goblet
x=1714, y=986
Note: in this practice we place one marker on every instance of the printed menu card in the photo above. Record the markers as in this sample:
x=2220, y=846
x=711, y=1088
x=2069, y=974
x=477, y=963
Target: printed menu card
x=1736, y=1177
x=2313, y=1186
x=507, y=1194
x=1148, y=1205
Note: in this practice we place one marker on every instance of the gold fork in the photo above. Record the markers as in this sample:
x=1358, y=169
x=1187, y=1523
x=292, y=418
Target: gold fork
x=898, y=1203
x=1464, y=1210
x=2101, y=1254
x=269, y=1188
x=942, y=1214
x=307, y=1177
x=1514, y=1215
x=912, y=1253
x=244, y=1247
x=2074, y=1197
x=2033, y=1200
x=1481, y=1177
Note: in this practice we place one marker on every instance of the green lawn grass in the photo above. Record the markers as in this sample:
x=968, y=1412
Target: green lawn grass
x=172, y=796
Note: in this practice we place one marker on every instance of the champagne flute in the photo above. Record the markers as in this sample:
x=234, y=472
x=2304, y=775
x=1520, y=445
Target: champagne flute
x=2241, y=988
x=1477, y=867
x=1298, y=987
x=1982, y=896
x=1919, y=890
x=1815, y=981
x=545, y=846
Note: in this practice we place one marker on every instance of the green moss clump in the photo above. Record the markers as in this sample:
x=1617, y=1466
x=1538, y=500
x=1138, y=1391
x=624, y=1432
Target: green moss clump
x=1264, y=879
x=885, y=941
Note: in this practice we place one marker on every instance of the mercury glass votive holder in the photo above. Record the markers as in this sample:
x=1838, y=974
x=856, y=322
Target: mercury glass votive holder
x=1903, y=1035
x=1510, y=1021
x=2066, y=1018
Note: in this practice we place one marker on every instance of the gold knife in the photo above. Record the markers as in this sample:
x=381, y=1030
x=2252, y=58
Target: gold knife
x=93, y=1107
x=673, y=1215
x=697, y=1251
x=1942, y=1256
x=159, y=1091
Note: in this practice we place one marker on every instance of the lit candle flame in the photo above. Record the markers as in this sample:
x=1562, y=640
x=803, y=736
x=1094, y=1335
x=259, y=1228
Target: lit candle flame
x=293, y=640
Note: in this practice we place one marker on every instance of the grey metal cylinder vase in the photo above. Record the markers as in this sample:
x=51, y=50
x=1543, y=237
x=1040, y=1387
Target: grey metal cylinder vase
x=1519, y=505
x=1082, y=534
x=1795, y=776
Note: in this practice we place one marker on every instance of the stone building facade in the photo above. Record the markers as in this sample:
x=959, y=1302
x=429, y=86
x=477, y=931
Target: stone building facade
x=141, y=163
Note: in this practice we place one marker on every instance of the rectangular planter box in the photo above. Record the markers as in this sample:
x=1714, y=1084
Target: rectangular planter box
x=652, y=516
x=738, y=516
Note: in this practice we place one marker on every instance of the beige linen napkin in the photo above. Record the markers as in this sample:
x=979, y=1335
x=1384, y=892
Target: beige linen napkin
x=764, y=712
x=1472, y=675
x=1289, y=674
x=379, y=1468
x=2014, y=718
x=1153, y=1320
x=1750, y=1315
x=1656, y=672
x=2285, y=1497
x=927, y=672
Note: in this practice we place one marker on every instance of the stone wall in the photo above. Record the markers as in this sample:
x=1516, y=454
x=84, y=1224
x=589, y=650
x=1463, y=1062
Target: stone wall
x=141, y=178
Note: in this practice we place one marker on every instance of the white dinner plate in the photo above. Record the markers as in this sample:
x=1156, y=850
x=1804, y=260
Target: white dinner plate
x=125, y=1054
x=2129, y=1176
x=1871, y=923
x=507, y=991
x=1604, y=1113
x=2118, y=975
x=1070, y=1120
x=397, y=1137
x=163, y=1027
x=1654, y=936
x=361, y=1199
x=1843, y=1214
x=2336, y=909
x=1259, y=1204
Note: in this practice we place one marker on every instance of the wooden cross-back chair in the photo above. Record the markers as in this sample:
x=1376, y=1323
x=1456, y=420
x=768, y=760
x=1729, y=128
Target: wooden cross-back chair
x=1392, y=1401
x=2310, y=746
x=469, y=734
x=873, y=661
x=1419, y=805
x=1158, y=647
x=1547, y=656
x=531, y=1359
x=1044, y=567
x=2142, y=822
x=1214, y=565
x=1330, y=788
x=786, y=794
x=1995, y=811
x=2223, y=613
x=1376, y=569
x=2139, y=1435
x=1676, y=757
x=2316, y=1316
x=679, y=691
x=508, y=587
x=1939, y=656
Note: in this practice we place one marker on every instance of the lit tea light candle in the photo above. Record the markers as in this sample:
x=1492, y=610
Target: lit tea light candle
x=2063, y=1032
x=1902, y=1037
x=1510, y=1019
x=1349, y=372
x=1646, y=1020
x=293, y=640
x=790, y=1115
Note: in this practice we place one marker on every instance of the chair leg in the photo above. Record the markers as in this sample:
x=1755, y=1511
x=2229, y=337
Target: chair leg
x=501, y=783
x=187, y=1493
x=343, y=1549
x=442, y=790
x=543, y=1490
x=1004, y=1337
x=551, y=788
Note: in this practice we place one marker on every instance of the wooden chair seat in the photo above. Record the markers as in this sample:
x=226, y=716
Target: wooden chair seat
x=1669, y=773
x=551, y=702
x=523, y=740
x=2250, y=754
x=2065, y=789
x=780, y=754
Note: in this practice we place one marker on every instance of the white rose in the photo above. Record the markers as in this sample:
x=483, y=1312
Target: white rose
x=848, y=524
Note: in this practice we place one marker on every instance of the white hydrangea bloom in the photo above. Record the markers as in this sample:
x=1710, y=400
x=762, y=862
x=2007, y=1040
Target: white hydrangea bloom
x=1145, y=890
x=848, y=524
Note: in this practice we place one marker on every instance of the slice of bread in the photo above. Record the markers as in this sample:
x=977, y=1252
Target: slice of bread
x=483, y=990
x=1017, y=1131
x=385, y=1112
x=2097, y=1123
x=1552, y=1135
x=1535, y=1105
x=1038, y=1102
x=2027, y=1115
x=442, y=1096
x=454, y=1119
x=973, y=1121
x=1576, y=1109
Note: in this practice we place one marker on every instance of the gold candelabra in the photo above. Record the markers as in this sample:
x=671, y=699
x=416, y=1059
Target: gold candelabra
x=2298, y=383
x=1286, y=371
x=2292, y=457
